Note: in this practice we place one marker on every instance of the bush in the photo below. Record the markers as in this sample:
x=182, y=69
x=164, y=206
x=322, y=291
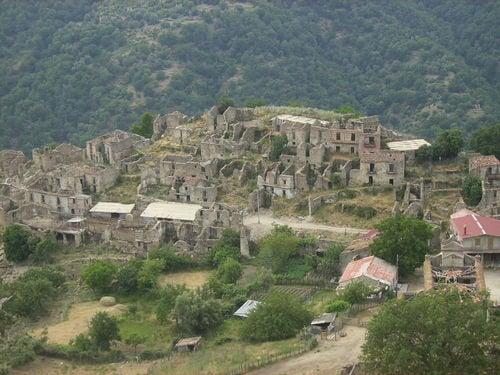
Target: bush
x=103, y=329
x=329, y=264
x=18, y=242
x=147, y=278
x=16, y=351
x=51, y=274
x=43, y=250
x=172, y=262
x=145, y=127
x=167, y=299
x=127, y=277
x=338, y=306
x=195, y=315
x=487, y=141
x=278, y=145
x=227, y=247
x=230, y=271
x=356, y=292
x=34, y=291
x=278, y=317
x=472, y=190
x=277, y=248
x=99, y=275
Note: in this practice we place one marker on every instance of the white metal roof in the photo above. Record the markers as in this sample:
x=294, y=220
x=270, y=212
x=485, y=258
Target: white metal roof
x=171, y=210
x=301, y=119
x=111, y=207
x=247, y=308
x=410, y=145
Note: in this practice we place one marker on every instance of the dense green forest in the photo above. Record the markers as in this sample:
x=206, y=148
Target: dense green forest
x=72, y=69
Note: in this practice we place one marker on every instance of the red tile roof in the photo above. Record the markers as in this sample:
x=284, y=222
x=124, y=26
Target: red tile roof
x=372, y=267
x=474, y=225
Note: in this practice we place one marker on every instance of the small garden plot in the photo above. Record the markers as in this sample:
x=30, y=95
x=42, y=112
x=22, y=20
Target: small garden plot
x=78, y=320
x=301, y=292
x=192, y=280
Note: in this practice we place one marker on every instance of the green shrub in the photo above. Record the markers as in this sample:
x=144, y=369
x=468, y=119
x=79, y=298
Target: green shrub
x=167, y=299
x=229, y=271
x=278, y=145
x=99, y=275
x=472, y=190
x=18, y=243
x=103, y=329
x=338, y=306
x=356, y=292
x=127, y=276
x=194, y=314
x=277, y=247
x=172, y=262
x=278, y=317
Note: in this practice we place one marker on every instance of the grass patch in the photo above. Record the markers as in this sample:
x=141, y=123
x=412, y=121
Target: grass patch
x=225, y=351
x=157, y=336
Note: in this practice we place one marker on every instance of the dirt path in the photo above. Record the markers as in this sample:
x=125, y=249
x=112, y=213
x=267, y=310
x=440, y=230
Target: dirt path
x=328, y=359
x=267, y=221
x=78, y=321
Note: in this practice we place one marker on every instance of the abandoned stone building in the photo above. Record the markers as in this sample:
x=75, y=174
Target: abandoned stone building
x=344, y=136
x=189, y=180
x=190, y=227
x=382, y=168
x=78, y=178
x=218, y=123
x=409, y=147
x=48, y=158
x=113, y=147
x=12, y=163
x=488, y=169
x=169, y=125
x=456, y=268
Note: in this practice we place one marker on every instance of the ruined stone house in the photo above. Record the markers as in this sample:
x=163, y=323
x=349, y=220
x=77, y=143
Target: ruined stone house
x=488, y=169
x=12, y=163
x=169, y=125
x=48, y=158
x=113, y=147
x=382, y=168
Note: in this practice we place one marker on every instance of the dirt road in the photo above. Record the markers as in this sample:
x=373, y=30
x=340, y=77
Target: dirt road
x=328, y=359
x=267, y=221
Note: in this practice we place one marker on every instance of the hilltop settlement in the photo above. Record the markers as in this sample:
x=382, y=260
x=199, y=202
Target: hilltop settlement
x=323, y=178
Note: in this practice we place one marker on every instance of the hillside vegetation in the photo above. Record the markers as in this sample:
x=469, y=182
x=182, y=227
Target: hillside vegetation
x=73, y=69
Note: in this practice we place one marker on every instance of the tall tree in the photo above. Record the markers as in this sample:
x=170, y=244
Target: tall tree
x=103, y=329
x=487, y=141
x=439, y=332
x=403, y=241
x=472, y=190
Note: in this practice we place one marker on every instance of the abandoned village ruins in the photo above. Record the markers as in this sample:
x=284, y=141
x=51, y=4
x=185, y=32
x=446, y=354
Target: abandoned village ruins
x=190, y=163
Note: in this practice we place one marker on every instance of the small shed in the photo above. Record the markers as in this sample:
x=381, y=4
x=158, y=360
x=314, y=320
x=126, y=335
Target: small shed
x=189, y=344
x=247, y=308
x=324, y=321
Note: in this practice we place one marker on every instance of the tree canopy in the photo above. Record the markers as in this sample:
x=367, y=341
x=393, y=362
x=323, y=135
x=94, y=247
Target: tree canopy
x=472, y=190
x=91, y=67
x=278, y=317
x=438, y=332
x=487, y=141
x=403, y=241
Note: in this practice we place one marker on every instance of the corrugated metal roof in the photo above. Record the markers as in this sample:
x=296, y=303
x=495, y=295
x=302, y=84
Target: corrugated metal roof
x=247, y=308
x=474, y=225
x=410, y=145
x=111, y=207
x=171, y=210
x=372, y=267
x=326, y=318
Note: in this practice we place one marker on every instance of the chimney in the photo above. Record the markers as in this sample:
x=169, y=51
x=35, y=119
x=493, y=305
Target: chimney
x=465, y=230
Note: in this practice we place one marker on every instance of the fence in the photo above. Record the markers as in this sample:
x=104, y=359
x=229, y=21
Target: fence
x=246, y=367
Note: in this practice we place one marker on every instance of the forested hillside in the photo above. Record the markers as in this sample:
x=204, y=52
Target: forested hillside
x=72, y=69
